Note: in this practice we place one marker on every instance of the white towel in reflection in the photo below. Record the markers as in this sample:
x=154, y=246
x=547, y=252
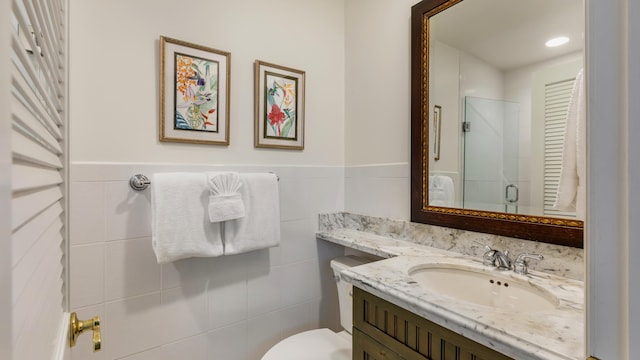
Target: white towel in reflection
x=180, y=225
x=571, y=195
x=441, y=192
x=260, y=227
x=225, y=202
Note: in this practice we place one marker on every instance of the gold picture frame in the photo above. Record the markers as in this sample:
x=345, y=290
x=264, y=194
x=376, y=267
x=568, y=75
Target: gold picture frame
x=437, y=128
x=194, y=93
x=279, y=106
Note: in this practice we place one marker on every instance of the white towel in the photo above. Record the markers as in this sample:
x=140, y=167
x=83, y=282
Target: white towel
x=441, y=192
x=260, y=228
x=180, y=226
x=571, y=195
x=225, y=202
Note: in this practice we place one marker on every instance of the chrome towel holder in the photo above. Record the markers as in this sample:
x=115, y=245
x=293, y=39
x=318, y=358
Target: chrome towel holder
x=140, y=182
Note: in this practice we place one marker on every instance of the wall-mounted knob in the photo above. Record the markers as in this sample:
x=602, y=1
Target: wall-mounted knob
x=77, y=327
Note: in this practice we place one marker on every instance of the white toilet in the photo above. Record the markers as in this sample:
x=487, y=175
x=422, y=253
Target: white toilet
x=323, y=344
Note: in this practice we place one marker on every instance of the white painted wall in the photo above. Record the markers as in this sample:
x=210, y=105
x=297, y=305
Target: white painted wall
x=377, y=73
x=444, y=90
x=480, y=79
x=114, y=75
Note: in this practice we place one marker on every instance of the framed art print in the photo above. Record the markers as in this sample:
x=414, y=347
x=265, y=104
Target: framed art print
x=194, y=93
x=279, y=106
x=437, y=130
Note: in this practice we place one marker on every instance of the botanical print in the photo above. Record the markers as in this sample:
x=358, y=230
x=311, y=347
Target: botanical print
x=196, y=96
x=279, y=106
x=281, y=97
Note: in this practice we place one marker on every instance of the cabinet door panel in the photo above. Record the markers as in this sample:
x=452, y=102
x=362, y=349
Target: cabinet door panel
x=411, y=336
x=449, y=351
x=365, y=348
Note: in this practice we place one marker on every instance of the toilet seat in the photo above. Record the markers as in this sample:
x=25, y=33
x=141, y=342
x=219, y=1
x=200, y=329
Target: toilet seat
x=318, y=344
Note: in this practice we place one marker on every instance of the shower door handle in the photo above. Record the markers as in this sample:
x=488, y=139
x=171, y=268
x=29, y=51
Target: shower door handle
x=513, y=195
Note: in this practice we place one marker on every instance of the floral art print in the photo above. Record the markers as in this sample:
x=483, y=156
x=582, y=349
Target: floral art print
x=194, y=93
x=279, y=93
x=281, y=96
x=196, y=96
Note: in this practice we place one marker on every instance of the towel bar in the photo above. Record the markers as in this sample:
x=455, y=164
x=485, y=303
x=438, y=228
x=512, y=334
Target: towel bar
x=139, y=182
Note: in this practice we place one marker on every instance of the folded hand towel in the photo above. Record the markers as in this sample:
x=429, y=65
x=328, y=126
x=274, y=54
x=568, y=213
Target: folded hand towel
x=180, y=227
x=441, y=192
x=260, y=228
x=225, y=202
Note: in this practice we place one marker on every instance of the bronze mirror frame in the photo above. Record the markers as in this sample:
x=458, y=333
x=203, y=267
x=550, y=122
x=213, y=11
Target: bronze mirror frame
x=567, y=232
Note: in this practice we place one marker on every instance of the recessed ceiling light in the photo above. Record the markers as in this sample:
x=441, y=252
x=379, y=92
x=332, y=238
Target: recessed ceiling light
x=561, y=40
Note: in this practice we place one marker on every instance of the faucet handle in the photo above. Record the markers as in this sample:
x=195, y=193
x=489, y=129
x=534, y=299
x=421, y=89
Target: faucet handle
x=503, y=261
x=520, y=265
x=524, y=256
x=489, y=256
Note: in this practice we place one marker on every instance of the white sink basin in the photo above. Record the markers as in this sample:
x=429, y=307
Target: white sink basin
x=486, y=288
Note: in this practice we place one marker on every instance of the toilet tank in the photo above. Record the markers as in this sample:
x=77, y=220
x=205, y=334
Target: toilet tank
x=345, y=293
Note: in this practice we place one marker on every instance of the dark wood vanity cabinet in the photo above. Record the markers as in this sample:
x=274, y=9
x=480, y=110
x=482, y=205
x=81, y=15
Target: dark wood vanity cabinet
x=366, y=348
x=385, y=331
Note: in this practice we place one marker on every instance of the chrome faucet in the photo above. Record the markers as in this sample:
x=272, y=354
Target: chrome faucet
x=498, y=259
x=503, y=262
x=489, y=257
x=520, y=265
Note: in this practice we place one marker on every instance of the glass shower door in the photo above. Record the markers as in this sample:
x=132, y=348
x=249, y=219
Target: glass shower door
x=491, y=151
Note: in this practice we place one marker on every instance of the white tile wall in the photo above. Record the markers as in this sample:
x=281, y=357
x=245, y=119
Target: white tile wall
x=230, y=307
x=378, y=190
x=264, y=289
x=88, y=226
x=134, y=324
x=263, y=330
x=228, y=299
x=131, y=269
x=229, y=342
x=87, y=275
x=127, y=212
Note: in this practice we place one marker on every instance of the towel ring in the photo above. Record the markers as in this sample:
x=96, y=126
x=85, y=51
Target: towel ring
x=139, y=182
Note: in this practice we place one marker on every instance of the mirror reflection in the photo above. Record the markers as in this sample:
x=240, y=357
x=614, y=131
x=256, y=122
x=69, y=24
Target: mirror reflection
x=504, y=107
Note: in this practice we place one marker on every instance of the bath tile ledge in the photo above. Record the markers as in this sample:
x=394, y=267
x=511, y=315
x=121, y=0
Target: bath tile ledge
x=547, y=335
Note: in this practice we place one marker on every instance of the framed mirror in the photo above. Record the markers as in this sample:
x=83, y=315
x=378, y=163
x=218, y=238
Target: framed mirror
x=489, y=115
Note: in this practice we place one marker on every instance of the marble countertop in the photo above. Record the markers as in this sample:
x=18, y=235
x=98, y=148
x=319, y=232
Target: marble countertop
x=544, y=335
x=378, y=245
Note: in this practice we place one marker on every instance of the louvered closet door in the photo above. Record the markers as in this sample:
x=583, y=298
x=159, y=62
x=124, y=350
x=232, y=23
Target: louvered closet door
x=556, y=106
x=37, y=103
